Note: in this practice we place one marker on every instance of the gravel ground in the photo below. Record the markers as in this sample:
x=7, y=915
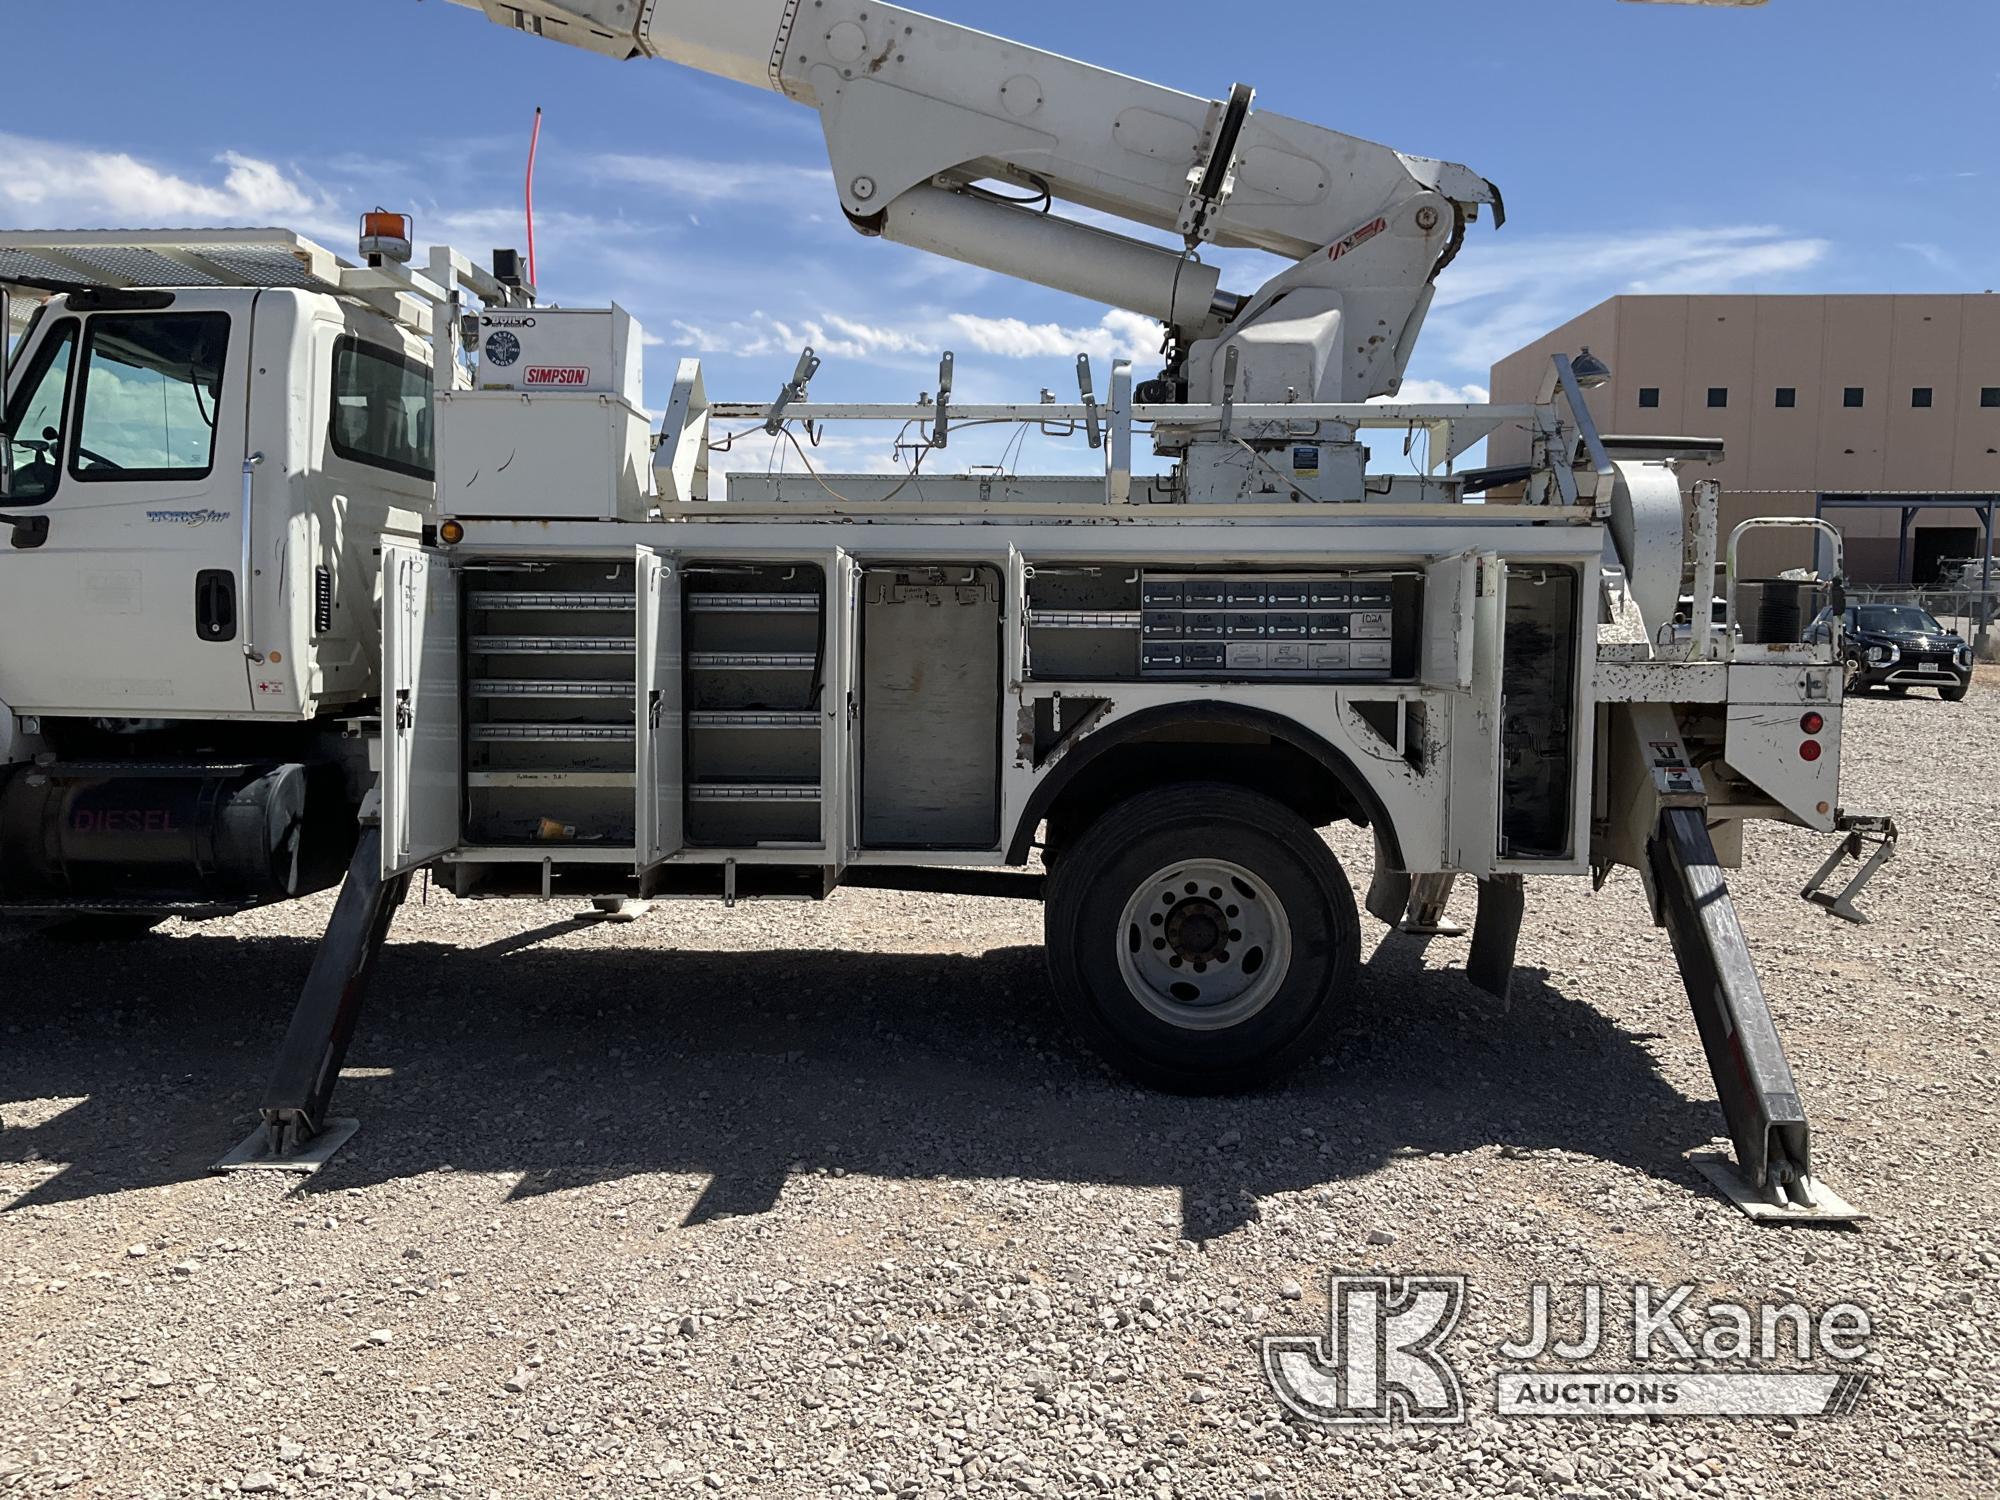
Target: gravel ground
x=824, y=1201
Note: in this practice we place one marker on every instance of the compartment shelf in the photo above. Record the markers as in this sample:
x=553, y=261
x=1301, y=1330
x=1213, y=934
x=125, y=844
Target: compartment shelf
x=753, y=791
x=752, y=661
x=754, y=719
x=753, y=604
x=570, y=734
x=553, y=645
x=491, y=600
x=526, y=687
x=596, y=781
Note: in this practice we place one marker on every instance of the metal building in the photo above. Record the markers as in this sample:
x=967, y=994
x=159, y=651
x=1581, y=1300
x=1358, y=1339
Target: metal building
x=1820, y=401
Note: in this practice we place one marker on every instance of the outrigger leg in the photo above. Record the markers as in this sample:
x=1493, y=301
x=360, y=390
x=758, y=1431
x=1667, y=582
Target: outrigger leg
x=1772, y=1177
x=1860, y=834
x=297, y=1133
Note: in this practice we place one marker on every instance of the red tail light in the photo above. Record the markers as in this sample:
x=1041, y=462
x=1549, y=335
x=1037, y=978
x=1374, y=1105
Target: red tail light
x=1813, y=723
x=1811, y=750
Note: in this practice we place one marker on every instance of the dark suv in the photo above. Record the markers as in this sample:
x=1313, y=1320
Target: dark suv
x=1899, y=646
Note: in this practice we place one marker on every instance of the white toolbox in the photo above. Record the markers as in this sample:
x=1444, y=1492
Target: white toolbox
x=553, y=349
x=543, y=457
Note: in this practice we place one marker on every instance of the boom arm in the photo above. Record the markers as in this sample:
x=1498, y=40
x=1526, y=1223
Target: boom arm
x=918, y=112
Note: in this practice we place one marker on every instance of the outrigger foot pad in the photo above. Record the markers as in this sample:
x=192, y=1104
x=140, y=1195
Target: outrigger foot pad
x=259, y=1153
x=1804, y=1201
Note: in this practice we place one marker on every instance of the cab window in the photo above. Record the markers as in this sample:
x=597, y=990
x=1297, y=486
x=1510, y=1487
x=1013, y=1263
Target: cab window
x=151, y=387
x=36, y=418
x=382, y=409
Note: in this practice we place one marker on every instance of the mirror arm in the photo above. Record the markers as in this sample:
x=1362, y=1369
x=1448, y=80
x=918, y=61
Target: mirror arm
x=6, y=371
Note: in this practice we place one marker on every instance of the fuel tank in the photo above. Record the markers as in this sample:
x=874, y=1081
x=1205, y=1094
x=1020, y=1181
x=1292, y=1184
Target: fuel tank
x=239, y=834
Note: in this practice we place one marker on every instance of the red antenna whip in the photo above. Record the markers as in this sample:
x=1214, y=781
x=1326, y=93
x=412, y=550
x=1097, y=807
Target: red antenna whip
x=534, y=147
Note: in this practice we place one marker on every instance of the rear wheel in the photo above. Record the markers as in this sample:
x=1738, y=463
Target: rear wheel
x=1202, y=938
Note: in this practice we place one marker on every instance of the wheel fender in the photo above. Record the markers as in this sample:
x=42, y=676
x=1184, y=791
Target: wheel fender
x=1122, y=732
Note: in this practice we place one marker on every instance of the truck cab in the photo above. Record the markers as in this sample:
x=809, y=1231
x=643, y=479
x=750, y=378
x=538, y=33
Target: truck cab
x=209, y=439
x=201, y=479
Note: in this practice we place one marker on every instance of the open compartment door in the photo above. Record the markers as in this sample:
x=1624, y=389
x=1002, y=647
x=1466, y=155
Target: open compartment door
x=840, y=779
x=1472, y=839
x=423, y=739
x=1451, y=599
x=660, y=710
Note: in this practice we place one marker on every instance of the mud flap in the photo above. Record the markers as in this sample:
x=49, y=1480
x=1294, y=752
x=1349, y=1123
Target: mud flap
x=1772, y=1178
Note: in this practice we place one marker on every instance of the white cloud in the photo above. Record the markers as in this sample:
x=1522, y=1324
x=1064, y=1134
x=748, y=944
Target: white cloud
x=1119, y=335
x=46, y=184
x=1504, y=293
x=1438, y=393
x=695, y=180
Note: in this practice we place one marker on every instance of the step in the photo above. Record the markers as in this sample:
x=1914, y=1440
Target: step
x=752, y=661
x=553, y=645
x=542, y=687
x=753, y=791
x=754, y=718
x=555, y=733
x=753, y=604
x=578, y=603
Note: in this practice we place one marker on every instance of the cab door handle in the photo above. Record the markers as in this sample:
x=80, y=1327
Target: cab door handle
x=215, y=604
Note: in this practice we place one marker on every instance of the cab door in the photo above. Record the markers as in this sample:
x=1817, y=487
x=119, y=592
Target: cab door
x=129, y=441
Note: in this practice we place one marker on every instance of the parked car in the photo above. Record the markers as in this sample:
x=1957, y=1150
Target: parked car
x=1899, y=646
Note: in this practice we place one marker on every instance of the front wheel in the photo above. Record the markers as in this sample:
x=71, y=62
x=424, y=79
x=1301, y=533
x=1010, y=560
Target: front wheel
x=1202, y=938
x=1956, y=692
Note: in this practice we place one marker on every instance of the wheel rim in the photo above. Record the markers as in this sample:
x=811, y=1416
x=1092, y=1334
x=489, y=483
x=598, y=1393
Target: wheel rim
x=1204, y=944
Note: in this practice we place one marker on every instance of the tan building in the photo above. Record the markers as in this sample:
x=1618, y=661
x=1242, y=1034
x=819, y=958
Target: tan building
x=1893, y=397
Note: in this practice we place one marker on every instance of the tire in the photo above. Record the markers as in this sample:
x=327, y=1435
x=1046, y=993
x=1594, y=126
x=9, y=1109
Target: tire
x=1275, y=976
x=1955, y=694
x=1896, y=691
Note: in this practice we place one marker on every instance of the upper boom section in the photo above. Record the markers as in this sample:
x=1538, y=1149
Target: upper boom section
x=906, y=98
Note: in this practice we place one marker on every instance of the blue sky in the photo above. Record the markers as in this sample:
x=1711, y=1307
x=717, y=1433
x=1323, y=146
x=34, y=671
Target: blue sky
x=1811, y=146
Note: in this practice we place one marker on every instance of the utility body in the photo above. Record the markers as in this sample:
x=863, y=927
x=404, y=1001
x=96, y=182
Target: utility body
x=326, y=565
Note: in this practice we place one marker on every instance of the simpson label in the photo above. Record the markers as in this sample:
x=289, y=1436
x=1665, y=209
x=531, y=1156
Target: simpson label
x=557, y=377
